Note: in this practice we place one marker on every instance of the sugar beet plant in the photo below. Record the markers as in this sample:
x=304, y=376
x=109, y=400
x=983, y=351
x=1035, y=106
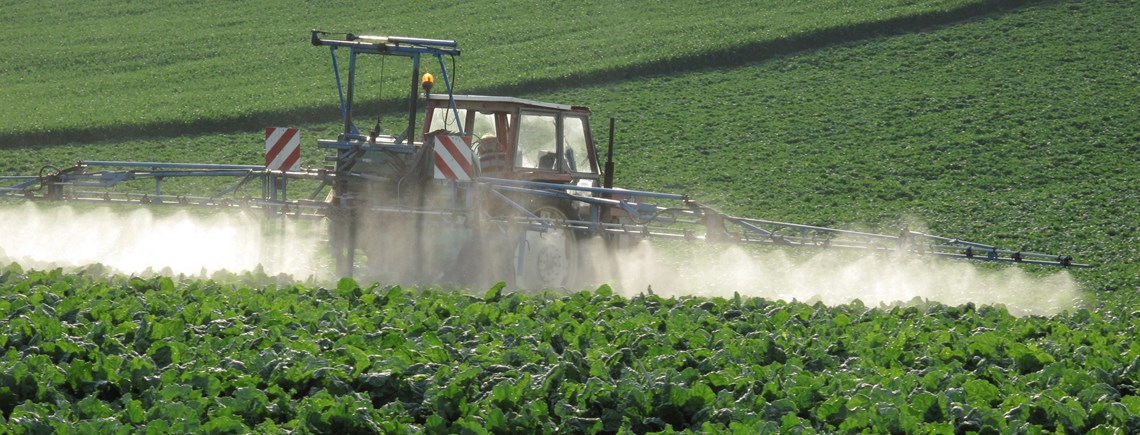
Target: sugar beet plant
x=85, y=352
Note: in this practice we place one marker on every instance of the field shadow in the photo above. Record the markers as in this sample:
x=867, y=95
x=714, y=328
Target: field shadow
x=731, y=57
x=750, y=53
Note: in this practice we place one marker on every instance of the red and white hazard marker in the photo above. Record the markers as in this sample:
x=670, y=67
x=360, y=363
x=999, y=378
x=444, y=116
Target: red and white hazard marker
x=453, y=159
x=282, y=149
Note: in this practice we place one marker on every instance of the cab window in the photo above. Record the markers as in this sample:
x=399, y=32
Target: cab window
x=577, y=153
x=442, y=118
x=537, y=141
x=482, y=123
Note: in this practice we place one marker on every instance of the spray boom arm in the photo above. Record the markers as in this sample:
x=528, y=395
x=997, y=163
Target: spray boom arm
x=690, y=220
x=642, y=214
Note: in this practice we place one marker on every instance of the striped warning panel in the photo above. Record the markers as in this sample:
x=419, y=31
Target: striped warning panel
x=453, y=159
x=282, y=149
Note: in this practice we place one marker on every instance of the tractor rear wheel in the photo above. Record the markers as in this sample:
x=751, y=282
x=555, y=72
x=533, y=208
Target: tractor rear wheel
x=549, y=259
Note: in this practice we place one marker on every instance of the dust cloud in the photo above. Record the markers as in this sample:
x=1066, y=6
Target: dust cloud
x=139, y=240
x=835, y=277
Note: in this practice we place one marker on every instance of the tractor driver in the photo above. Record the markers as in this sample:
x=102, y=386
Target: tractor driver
x=492, y=157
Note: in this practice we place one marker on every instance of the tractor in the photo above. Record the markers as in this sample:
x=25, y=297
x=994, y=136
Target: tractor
x=480, y=189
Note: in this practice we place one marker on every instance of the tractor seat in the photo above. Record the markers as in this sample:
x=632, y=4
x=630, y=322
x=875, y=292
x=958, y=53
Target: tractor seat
x=492, y=160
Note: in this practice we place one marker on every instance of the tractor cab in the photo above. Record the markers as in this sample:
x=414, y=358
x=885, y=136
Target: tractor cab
x=520, y=139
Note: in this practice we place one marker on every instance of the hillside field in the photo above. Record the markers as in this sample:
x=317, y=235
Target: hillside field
x=102, y=69
x=1006, y=122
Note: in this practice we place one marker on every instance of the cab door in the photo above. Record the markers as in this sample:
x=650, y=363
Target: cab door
x=554, y=146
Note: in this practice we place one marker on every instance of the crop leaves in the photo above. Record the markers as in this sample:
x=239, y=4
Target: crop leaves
x=588, y=361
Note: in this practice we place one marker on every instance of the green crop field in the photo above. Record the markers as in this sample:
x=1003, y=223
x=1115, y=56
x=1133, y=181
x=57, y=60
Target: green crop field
x=93, y=354
x=1007, y=122
x=99, y=69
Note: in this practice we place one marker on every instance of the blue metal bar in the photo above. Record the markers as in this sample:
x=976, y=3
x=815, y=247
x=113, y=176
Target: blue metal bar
x=18, y=188
x=409, y=133
x=949, y=240
x=362, y=138
x=986, y=252
x=163, y=165
x=546, y=193
x=339, y=89
x=636, y=209
x=417, y=41
x=339, y=145
x=236, y=186
x=450, y=95
x=132, y=175
x=349, y=126
x=390, y=46
x=810, y=227
x=754, y=228
x=542, y=185
x=111, y=179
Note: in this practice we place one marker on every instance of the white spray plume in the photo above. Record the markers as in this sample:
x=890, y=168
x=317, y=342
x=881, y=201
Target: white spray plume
x=137, y=240
x=189, y=243
x=835, y=277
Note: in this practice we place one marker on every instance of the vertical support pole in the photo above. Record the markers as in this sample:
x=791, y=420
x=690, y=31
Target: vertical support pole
x=268, y=186
x=342, y=237
x=348, y=127
x=349, y=265
x=597, y=213
x=342, y=224
x=269, y=192
x=157, y=190
x=595, y=219
x=413, y=97
x=336, y=72
x=608, y=182
x=343, y=221
x=450, y=96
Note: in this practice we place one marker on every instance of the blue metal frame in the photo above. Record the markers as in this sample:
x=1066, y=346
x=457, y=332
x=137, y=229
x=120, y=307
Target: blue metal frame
x=393, y=46
x=682, y=221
